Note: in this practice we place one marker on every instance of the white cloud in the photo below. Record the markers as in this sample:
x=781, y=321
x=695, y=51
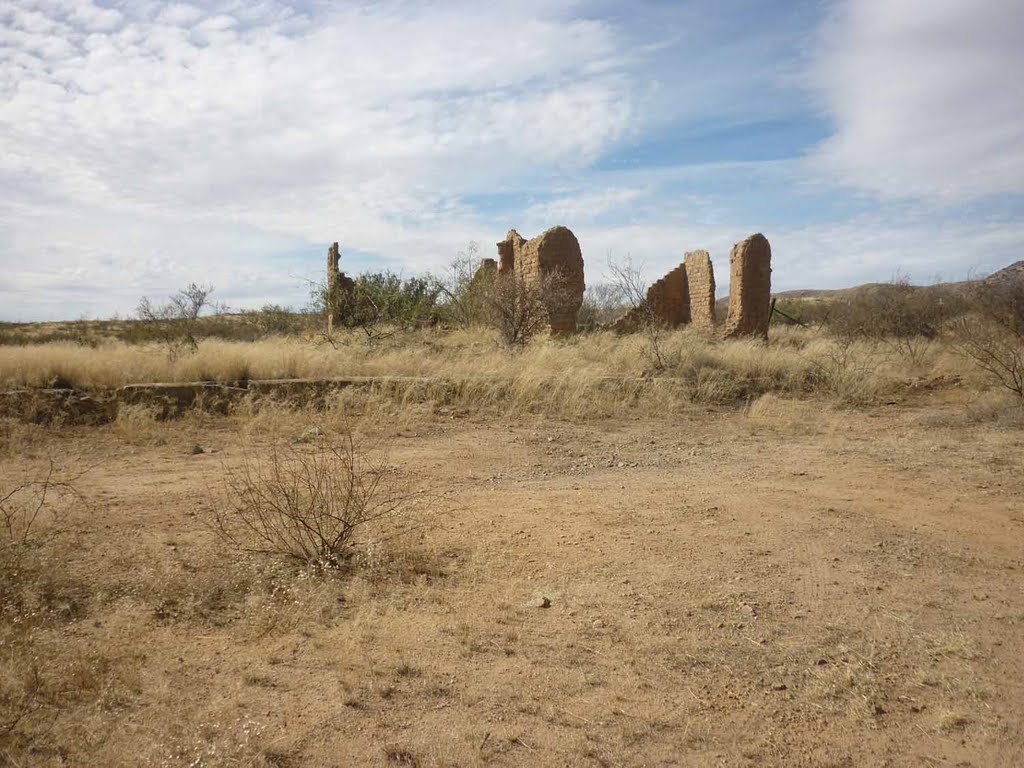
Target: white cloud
x=869, y=248
x=364, y=123
x=95, y=18
x=145, y=144
x=179, y=14
x=586, y=205
x=926, y=96
x=285, y=121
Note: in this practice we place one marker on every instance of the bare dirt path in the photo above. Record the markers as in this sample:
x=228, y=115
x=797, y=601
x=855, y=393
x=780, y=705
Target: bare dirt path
x=722, y=591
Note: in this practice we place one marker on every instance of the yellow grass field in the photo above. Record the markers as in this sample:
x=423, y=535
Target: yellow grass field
x=787, y=557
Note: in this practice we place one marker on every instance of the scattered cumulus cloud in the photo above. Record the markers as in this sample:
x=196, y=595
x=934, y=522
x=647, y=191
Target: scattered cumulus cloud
x=146, y=144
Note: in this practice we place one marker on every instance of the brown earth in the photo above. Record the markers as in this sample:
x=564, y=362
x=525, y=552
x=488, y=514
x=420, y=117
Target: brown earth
x=799, y=587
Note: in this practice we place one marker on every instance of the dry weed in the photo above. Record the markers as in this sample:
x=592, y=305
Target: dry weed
x=588, y=375
x=137, y=425
x=311, y=500
x=788, y=414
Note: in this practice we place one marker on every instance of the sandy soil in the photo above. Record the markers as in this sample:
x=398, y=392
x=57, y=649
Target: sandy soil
x=807, y=588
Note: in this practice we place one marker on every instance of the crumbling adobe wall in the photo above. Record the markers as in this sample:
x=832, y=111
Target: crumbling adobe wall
x=750, y=287
x=669, y=298
x=687, y=293
x=338, y=284
x=556, y=252
x=507, y=249
x=487, y=268
x=666, y=303
x=700, y=277
x=484, y=274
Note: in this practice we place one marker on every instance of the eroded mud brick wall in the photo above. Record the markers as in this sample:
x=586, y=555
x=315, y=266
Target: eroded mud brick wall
x=333, y=259
x=555, y=252
x=484, y=274
x=750, y=287
x=700, y=278
x=669, y=298
x=487, y=268
x=507, y=250
x=667, y=303
x=337, y=284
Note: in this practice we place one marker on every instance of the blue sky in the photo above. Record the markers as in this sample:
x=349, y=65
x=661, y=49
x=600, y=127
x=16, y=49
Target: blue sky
x=144, y=145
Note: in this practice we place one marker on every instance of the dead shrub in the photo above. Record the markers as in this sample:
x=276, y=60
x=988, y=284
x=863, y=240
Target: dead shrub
x=37, y=589
x=847, y=369
x=31, y=511
x=36, y=584
x=462, y=290
x=603, y=303
x=311, y=502
x=992, y=335
x=517, y=307
x=631, y=289
x=902, y=316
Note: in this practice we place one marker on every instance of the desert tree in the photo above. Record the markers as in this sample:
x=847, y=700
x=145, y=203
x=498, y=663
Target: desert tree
x=378, y=304
x=175, y=323
x=900, y=316
x=463, y=288
x=602, y=303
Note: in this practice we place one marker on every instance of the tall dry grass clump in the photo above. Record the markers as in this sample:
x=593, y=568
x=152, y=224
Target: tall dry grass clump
x=37, y=590
x=588, y=374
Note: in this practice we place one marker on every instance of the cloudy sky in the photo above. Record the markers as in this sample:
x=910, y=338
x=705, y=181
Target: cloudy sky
x=145, y=144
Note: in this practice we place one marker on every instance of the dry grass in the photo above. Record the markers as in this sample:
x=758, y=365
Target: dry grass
x=589, y=375
x=704, y=592
x=137, y=425
x=786, y=363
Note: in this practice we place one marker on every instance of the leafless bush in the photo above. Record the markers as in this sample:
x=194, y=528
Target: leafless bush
x=846, y=368
x=309, y=503
x=992, y=334
x=175, y=324
x=627, y=278
x=602, y=303
x=463, y=289
x=31, y=511
x=518, y=307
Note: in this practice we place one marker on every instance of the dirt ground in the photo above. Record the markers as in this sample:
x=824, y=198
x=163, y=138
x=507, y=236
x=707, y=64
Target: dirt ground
x=808, y=587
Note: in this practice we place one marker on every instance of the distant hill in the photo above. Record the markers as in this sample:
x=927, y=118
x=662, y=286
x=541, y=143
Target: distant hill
x=1012, y=273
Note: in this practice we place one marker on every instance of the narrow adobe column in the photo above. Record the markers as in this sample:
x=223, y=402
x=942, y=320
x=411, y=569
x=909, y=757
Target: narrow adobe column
x=750, y=288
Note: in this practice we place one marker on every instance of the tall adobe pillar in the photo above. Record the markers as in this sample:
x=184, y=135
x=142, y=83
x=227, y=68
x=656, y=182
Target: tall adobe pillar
x=700, y=278
x=338, y=287
x=554, y=254
x=750, y=287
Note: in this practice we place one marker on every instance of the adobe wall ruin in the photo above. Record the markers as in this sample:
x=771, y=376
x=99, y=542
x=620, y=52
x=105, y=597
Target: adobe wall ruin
x=700, y=278
x=556, y=252
x=687, y=293
x=666, y=303
x=337, y=285
x=487, y=267
x=750, y=286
